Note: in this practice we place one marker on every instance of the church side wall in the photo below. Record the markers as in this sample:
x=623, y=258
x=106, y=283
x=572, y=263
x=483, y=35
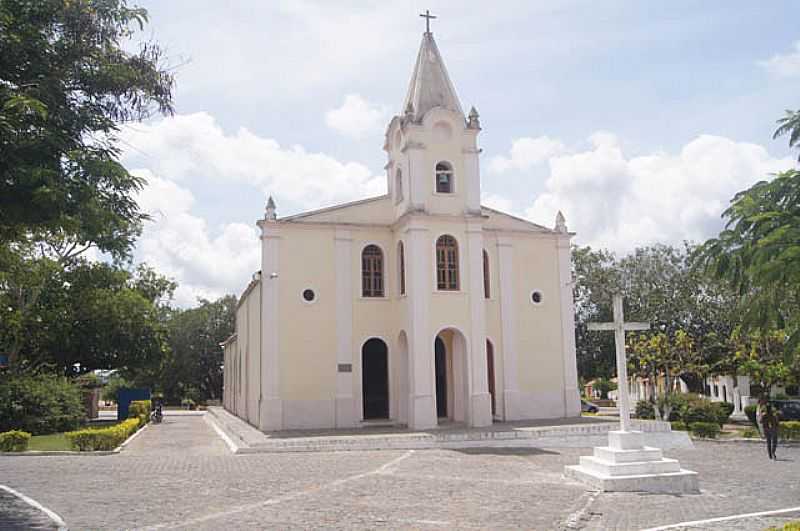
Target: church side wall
x=307, y=340
x=253, y=385
x=241, y=362
x=539, y=334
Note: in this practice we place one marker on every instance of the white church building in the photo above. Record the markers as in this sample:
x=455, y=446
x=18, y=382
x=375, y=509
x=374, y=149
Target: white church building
x=414, y=308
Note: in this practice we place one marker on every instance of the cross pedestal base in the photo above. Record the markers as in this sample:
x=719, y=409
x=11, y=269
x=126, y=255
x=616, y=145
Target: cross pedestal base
x=626, y=465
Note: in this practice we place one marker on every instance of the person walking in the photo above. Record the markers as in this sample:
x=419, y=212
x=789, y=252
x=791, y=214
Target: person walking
x=769, y=421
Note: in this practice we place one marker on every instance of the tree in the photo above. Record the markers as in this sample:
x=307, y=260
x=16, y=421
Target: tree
x=194, y=367
x=671, y=355
x=758, y=254
x=66, y=84
x=87, y=316
x=764, y=357
x=661, y=286
x=789, y=125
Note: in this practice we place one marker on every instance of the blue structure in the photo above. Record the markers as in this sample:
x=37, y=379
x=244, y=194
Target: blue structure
x=126, y=396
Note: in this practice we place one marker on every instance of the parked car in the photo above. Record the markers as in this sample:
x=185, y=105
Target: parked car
x=789, y=409
x=588, y=407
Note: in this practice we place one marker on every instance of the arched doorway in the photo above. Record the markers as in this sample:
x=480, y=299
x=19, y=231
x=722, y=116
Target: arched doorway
x=450, y=361
x=490, y=373
x=375, y=379
x=441, y=378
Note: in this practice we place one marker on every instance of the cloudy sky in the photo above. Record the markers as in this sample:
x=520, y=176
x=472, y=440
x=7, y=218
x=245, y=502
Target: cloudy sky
x=639, y=120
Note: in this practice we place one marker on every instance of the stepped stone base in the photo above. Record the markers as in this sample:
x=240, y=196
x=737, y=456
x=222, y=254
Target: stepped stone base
x=626, y=465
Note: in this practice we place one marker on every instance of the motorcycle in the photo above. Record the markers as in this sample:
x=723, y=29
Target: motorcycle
x=157, y=415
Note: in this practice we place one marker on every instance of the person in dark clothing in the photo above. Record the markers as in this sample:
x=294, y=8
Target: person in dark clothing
x=770, y=424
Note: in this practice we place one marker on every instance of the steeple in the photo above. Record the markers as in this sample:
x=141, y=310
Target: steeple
x=430, y=85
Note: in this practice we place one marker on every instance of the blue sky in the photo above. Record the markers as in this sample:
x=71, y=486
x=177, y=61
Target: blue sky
x=638, y=119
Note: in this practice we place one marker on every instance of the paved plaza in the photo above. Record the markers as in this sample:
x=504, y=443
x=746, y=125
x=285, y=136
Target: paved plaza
x=180, y=475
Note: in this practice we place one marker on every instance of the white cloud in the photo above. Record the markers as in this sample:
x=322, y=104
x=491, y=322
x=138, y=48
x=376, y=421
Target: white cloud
x=357, y=117
x=498, y=202
x=526, y=153
x=620, y=202
x=193, y=145
x=210, y=261
x=784, y=65
x=180, y=245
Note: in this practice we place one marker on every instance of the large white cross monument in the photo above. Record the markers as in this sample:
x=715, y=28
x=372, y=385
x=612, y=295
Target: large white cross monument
x=626, y=464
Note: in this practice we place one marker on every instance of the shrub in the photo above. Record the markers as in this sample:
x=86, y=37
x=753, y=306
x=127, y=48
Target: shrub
x=789, y=430
x=89, y=439
x=701, y=411
x=750, y=411
x=679, y=425
x=138, y=408
x=14, y=441
x=644, y=410
x=705, y=429
x=725, y=411
x=39, y=404
x=750, y=433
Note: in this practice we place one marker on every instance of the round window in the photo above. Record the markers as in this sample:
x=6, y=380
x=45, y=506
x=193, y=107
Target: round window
x=309, y=295
x=536, y=297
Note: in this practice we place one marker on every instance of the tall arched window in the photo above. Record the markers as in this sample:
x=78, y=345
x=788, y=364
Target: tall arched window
x=486, y=286
x=372, y=271
x=401, y=258
x=447, y=263
x=398, y=185
x=444, y=178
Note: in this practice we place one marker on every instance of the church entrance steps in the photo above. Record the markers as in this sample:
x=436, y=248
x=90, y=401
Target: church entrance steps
x=579, y=432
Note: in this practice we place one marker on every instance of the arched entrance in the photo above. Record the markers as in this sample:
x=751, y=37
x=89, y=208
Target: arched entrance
x=450, y=362
x=375, y=379
x=441, y=377
x=490, y=373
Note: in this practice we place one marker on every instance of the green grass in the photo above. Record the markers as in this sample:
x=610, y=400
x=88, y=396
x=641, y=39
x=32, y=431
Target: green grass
x=54, y=441
x=58, y=441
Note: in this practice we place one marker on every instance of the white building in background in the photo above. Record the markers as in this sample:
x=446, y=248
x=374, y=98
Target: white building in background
x=415, y=307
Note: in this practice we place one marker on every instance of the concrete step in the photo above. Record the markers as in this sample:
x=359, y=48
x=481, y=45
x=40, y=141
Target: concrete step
x=680, y=482
x=612, y=455
x=607, y=468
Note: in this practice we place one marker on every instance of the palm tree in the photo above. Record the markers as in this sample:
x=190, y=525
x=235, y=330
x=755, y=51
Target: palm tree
x=790, y=124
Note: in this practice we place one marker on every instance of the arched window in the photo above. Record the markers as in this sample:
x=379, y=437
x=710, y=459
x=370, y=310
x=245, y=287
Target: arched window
x=447, y=263
x=372, y=271
x=486, y=286
x=401, y=258
x=444, y=178
x=398, y=185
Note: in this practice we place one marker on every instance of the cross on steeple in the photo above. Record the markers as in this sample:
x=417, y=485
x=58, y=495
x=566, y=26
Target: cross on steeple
x=427, y=16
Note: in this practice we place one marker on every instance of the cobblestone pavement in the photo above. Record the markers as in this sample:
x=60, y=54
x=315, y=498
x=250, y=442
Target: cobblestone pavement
x=16, y=514
x=179, y=475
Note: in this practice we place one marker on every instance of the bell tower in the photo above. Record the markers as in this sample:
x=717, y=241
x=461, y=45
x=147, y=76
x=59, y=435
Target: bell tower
x=432, y=146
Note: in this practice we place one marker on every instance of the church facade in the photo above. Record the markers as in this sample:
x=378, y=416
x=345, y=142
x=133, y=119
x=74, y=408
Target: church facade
x=414, y=308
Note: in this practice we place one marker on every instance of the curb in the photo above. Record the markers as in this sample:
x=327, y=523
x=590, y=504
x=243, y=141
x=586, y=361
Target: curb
x=52, y=515
x=232, y=446
x=95, y=453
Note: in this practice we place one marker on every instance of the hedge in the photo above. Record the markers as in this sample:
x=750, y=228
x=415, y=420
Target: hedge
x=789, y=430
x=679, y=425
x=39, y=404
x=705, y=429
x=139, y=409
x=89, y=439
x=14, y=441
x=750, y=433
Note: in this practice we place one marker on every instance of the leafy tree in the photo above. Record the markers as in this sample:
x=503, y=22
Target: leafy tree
x=789, y=125
x=660, y=354
x=194, y=367
x=604, y=385
x=764, y=357
x=66, y=83
x=758, y=254
x=87, y=316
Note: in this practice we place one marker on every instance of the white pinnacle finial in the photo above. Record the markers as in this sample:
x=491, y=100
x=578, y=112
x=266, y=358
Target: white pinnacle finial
x=269, y=213
x=561, y=223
